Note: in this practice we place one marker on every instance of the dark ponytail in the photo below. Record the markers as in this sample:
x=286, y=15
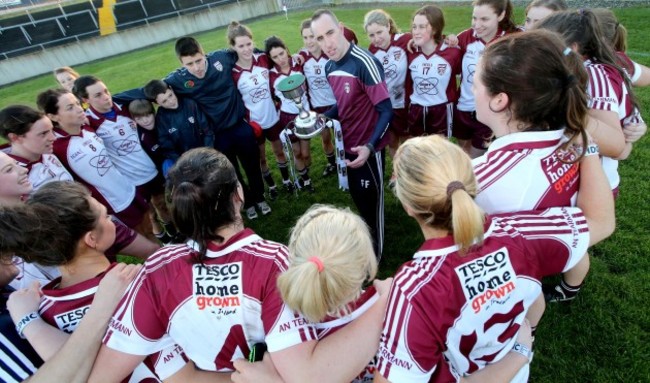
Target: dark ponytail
x=200, y=188
x=582, y=28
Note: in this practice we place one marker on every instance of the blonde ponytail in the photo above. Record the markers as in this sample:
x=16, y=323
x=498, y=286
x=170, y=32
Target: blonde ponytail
x=331, y=256
x=435, y=181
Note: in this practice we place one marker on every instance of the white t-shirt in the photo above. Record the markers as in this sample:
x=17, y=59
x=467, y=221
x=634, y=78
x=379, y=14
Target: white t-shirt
x=123, y=145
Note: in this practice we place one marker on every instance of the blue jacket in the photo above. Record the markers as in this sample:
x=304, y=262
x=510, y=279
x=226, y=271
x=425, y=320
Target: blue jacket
x=216, y=92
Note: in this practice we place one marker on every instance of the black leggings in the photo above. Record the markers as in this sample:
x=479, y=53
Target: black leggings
x=367, y=190
x=239, y=145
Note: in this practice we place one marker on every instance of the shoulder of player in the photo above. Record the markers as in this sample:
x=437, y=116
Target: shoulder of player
x=550, y=222
x=412, y=275
x=497, y=163
x=367, y=65
x=169, y=256
x=401, y=40
x=465, y=37
x=600, y=74
x=269, y=250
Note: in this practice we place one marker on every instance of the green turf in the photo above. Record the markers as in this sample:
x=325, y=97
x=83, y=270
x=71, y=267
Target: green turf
x=600, y=337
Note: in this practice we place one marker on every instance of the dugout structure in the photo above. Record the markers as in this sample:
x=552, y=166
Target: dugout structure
x=36, y=29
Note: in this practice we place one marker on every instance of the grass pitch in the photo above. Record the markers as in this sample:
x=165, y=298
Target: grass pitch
x=601, y=337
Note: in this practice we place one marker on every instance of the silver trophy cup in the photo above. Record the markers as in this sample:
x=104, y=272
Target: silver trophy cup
x=307, y=124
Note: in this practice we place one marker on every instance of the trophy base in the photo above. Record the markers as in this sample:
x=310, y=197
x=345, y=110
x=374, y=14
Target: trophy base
x=306, y=128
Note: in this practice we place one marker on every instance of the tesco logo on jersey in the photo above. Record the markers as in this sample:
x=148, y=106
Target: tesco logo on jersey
x=562, y=174
x=487, y=280
x=218, y=288
x=69, y=320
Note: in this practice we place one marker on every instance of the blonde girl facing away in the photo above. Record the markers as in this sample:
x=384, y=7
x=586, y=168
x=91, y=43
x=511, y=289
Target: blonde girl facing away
x=448, y=313
x=331, y=257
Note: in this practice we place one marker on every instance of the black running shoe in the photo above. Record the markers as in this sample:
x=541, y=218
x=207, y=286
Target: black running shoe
x=554, y=294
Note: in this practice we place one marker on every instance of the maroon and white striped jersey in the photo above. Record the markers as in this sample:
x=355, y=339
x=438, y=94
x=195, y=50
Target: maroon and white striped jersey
x=472, y=48
x=632, y=68
x=86, y=157
x=287, y=105
x=215, y=310
x=355, y=309
x=120, y=136
x=319, y=90
x=395, y=63
x=521, y=171
x=254, y=84
x=607, y=91
x=434, y=76
x=46, y=169
x=468, y=309
x=66, y=307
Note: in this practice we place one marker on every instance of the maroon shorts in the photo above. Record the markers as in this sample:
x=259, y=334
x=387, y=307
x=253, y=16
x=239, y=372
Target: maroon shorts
x=273, y=133
x=322, y=109
x=399, y=124
x=467, y=127
x=133, y=215
x=425, y=120
x=124, y=236
x=153, y=187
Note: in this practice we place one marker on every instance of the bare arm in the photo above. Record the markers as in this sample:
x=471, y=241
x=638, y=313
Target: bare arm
x=113, y=366
x=141, y=247
x=43, y=337
x=338, y=357
x=644, y=77
x=74, y=362
x=190, y=373
x=595, y=199
x=605, y=128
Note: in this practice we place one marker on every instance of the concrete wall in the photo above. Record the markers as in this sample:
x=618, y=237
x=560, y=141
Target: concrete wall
x=33, y=64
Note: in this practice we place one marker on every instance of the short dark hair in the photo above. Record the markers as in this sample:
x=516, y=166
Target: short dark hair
x=140, y=108
x=153, y=88
x=320, y=12
x=17, y=119
x=80, y=85
x=187, y=46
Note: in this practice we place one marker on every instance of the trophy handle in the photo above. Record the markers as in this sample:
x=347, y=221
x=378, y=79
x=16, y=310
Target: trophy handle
x=291, y=126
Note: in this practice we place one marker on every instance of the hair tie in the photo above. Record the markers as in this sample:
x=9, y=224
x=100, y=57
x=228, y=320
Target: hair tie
x=567, y=51
x=317, y=261
x=453, y=186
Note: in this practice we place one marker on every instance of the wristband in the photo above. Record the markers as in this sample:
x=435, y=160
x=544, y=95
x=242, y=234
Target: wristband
x=592, y=149
x=27, y=319
x=370, y=147
x=523, y=350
